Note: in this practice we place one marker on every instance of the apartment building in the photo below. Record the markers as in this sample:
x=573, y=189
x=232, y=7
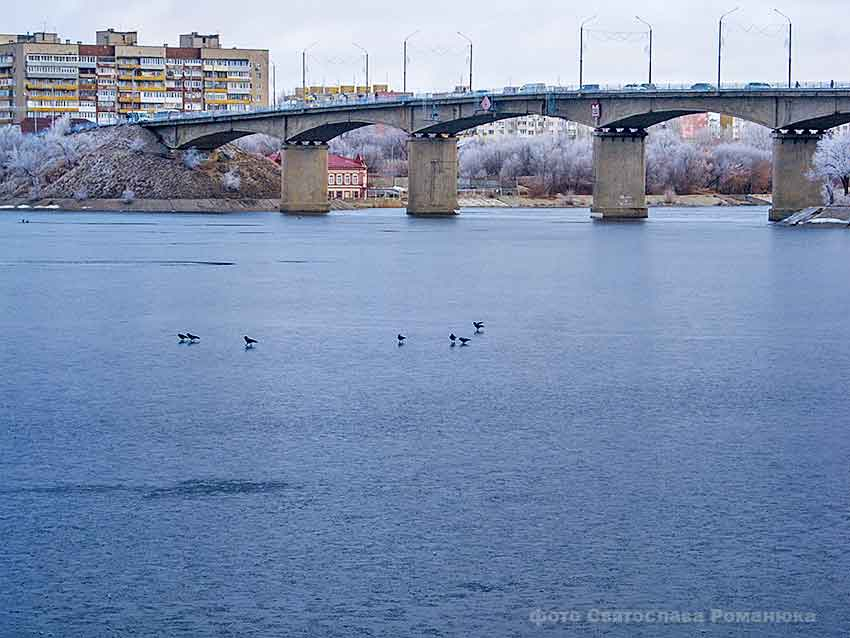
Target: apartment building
x=42, y=77
x=529, y=126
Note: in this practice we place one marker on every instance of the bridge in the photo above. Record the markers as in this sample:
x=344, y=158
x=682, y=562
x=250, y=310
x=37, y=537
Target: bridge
x=798, y=117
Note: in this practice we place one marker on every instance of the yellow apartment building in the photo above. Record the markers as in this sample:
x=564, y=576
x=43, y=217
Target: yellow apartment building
x=42, y=77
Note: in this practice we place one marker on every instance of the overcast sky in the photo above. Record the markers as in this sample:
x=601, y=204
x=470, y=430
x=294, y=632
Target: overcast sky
x=514, y=42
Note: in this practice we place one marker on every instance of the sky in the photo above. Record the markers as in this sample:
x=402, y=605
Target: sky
x=514, y=43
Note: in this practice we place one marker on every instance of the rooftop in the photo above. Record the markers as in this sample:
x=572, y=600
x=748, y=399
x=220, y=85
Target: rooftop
x=337, y=162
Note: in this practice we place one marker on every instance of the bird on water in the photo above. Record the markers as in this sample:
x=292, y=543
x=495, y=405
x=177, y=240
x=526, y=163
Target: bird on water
x=401, y=339
x=249, y=342
x=182, y=337
x=464, y=340
x=452, y=338
x=192, y=338
x=478, y=325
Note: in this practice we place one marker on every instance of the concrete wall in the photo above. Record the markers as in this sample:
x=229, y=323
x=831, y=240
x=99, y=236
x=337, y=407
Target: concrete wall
x=793, y=190
x=619, y=172
x=432, y=176
x=304, y=176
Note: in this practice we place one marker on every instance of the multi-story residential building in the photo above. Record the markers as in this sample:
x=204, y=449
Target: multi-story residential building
x=43, y=78
x=530, y=125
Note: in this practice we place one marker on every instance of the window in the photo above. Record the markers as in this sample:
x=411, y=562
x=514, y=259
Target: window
x=330, y=180
x=348, y=179
x=355, y=179
x=338, y=179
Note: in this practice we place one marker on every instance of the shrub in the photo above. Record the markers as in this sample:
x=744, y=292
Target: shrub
x=192, y=159
x=231, y=181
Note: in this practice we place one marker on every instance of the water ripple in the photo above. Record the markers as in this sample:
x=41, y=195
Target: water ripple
x=193, y=488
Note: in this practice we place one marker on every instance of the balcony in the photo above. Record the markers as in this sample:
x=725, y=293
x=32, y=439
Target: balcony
x=54, y=109
x=53, y=98
x=52, y=74
x=228, y=101
x=50, y=87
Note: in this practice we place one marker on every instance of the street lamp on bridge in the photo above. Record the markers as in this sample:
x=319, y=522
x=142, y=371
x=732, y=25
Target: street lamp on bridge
x=404, y=81
x=304, y=71
x=367, y=62
x=468, y=39
x=649, y=26
x=790, y=34
x=581, y=51
x=720, y=42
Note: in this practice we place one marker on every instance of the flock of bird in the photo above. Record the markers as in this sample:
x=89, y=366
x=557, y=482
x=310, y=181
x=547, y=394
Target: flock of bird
x=464, y=341
x=188, y=337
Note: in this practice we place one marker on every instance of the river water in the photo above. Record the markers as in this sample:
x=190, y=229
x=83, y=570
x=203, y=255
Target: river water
x=654, y=420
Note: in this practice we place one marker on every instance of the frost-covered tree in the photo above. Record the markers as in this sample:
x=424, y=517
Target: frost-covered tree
x=558, y=163
x=831, y=163
x=384, y=149
x=192, y=158
x=259, y=144
x=231, y=181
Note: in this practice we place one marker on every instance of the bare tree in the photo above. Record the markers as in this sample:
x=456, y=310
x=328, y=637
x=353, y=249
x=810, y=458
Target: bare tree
x=831, y=163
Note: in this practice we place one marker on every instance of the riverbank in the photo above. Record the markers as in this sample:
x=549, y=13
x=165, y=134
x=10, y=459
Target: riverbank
x=240, y=204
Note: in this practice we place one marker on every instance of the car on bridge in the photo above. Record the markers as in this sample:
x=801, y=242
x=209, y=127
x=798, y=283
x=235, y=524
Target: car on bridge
x=758, y=86
x=590, y=87
x=538, y=87
x=646, y=86
x=702, y=86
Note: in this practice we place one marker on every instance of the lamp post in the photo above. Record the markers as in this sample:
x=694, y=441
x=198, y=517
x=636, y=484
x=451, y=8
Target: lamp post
x=790, y=34
x=404, y=81
x=581, y=51
x=649, y=26
x=274, y=85
x=304, y=71
x=720, y=42
x=468, y=39
x=367, y=62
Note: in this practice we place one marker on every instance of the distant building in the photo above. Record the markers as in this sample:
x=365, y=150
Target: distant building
x=346, y=177
x=724, y=126
x=529, y=126
x=337, y=92
x=42, y=78
x=693, y=126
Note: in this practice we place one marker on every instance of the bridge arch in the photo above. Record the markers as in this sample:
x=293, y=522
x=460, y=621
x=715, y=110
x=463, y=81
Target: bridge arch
x=774, y=112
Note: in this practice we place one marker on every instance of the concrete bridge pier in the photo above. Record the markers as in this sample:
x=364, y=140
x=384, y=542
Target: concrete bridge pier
x=432, y=175
x=793, y=189
x=304, y=177
x=619, y=174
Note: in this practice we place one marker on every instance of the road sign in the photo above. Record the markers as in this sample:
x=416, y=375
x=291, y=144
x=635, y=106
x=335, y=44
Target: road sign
x=486, y=103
